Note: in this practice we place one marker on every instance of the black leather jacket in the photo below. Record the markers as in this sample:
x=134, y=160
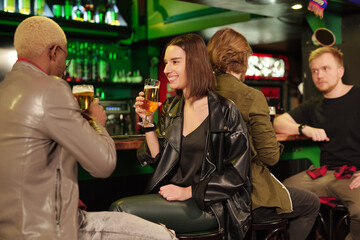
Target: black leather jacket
x=224, y=185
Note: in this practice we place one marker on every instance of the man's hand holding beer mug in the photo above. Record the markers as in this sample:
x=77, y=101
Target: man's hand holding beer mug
x=147, y=102
x=90, y=108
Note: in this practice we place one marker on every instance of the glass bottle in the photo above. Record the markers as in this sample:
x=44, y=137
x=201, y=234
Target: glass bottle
x=68, y=9
x=39, y=7
x=95, y=63
x=78, y=11
x=112, y=13
x=9, y=6
x=58, y=8
x=79, y=61
x=100, y=12
x=24, y=7
x=89, y=11
x=103, y=65
x=86, y=64
x=72, y=67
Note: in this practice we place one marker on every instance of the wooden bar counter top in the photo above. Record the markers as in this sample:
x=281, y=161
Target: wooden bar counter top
x=128, y=142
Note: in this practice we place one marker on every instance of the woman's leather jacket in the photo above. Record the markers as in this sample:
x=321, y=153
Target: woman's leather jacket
x=224, y=185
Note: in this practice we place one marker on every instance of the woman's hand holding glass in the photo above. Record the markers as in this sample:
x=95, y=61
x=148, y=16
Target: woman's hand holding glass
x=147, y=102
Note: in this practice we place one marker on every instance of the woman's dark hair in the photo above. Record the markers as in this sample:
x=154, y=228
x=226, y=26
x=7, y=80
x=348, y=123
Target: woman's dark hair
x=200, y=78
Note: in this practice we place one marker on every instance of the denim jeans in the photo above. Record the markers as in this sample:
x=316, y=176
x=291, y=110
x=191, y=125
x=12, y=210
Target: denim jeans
x=120, y=226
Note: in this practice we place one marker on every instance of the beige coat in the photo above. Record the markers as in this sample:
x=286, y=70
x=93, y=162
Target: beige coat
x=265, y=149
x=43, y=136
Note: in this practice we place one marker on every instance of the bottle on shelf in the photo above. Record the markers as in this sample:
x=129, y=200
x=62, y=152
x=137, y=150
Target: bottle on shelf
x=72, y=67
x=9, y=6
x=86, y=63
x=100, y=12
x=68, y=10
x=79, y=61
x=89, y=11
x=24, y=7
x=112, y=13
x=100, y=93
x=78, y=11
x=58, y=8
x=104, y=67
x=94, y=63
x=39, y=6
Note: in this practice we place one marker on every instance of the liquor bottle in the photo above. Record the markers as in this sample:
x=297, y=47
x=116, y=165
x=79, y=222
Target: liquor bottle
x=72, y=67
x=68, y=10
x=95, y=64
x=78, y=11
x=100, y=12
x=86, y=64
x=39, y=7
x=112, y=13
x=9, y=6
x=24, y=7
x=58, y=8
x=103, y=65
x=89, y=11
x=79, y=61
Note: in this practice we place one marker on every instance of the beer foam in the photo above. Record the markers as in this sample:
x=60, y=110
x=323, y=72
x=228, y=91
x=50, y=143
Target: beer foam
x=82, y=88
x=149, y=87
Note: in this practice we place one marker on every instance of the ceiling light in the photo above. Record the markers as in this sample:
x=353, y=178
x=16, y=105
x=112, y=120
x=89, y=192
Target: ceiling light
x=297, y=6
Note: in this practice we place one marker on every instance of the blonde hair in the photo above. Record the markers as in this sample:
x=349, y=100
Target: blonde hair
x=338, y=55
x=35, y=34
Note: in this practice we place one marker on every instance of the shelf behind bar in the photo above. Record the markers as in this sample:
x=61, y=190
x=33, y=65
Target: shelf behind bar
x=73, y=29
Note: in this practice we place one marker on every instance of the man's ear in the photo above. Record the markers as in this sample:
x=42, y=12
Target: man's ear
x=341, y=71
x=52, y=53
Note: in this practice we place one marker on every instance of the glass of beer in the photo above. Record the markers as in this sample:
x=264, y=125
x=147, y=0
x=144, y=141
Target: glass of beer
x=84, y=95
x=151, y=101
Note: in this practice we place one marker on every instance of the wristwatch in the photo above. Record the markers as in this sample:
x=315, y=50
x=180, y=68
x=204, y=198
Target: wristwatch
x=301, y=126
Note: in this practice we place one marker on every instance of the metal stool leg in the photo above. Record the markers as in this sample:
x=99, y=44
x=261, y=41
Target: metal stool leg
x=338, y=225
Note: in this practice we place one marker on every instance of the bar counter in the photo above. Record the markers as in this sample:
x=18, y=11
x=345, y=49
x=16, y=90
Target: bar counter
x=128, y=142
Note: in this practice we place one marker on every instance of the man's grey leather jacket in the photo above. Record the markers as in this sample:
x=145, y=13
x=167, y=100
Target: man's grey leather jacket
x=42, y=137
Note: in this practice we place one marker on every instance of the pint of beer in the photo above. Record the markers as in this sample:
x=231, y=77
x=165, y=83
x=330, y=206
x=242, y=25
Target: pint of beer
x=151, y=100
x=151, y=95
x=84, y=95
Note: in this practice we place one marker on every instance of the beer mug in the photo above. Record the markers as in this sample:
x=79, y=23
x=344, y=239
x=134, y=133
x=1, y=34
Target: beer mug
x=84, y=95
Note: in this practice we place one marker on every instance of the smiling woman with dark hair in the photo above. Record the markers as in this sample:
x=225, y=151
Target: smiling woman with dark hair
x=200, y=149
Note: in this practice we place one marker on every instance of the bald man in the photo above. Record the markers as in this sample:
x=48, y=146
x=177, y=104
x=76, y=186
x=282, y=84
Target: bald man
x=43, y=137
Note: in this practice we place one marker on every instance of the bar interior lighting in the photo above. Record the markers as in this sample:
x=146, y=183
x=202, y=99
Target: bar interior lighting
x=297, y=6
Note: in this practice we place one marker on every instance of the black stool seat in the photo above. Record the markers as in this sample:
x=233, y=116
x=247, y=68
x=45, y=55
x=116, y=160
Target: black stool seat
x=200, y=236
x=272, y=228
x=332, y=205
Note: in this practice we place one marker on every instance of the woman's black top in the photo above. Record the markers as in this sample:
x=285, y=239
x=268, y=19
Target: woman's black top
x=192, y=153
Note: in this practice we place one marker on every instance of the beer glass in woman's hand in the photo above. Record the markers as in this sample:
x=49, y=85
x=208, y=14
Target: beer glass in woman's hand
x=151, y=100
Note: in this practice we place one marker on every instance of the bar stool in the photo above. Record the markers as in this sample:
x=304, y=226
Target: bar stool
x=274, y=228
x=185, y=218
x=216, y=235
x=332, y=206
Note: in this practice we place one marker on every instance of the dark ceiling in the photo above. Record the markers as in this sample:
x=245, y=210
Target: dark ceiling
x=273, y=23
